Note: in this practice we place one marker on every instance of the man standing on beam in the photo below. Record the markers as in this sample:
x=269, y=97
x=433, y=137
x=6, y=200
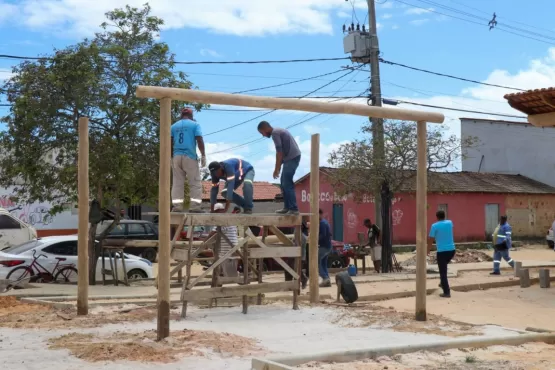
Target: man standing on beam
x=288, y=154
x=186, y=135
x=235, y=172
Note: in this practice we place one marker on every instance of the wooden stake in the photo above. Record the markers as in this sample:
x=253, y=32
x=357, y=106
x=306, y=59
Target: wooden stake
x=164, y=203
x=421, y=222
x=83, y=233
x=314, y=217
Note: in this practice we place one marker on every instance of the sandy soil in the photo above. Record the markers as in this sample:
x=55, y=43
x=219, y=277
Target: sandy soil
x=512, y=307
x=463, y=256
x=537, y=356
x=143, y=347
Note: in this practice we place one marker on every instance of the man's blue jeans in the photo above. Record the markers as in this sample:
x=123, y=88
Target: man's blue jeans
x=323, y=253
x=497, y=255
x=246, y=202
x=287, y=184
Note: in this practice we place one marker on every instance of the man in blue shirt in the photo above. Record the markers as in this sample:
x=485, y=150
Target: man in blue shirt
x=324, y=249
x=503, y=243
x=235, y=172
x=442, y=232
x=186, y=135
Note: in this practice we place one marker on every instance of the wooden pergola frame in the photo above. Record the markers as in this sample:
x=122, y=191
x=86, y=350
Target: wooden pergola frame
x=166, y=95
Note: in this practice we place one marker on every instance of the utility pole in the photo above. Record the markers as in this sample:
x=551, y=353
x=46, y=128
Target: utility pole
x=381, y=192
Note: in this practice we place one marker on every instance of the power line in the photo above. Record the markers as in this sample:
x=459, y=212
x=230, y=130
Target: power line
x=447, y=75
x=19, y=57
x=458, y=110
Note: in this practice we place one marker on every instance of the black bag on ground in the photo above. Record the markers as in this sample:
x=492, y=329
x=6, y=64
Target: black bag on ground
x=348, y=289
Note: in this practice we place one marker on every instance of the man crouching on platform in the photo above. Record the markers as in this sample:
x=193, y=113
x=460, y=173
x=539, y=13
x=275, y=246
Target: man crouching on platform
x=235, y=172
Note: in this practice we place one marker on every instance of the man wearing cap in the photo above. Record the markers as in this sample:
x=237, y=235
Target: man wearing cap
x=186, y=135
x=235, y=172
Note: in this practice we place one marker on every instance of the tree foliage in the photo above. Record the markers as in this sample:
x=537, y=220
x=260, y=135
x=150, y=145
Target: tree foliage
x=95, y=78
x=359, y=173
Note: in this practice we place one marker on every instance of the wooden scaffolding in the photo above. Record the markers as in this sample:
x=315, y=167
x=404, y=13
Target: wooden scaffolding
x=250, y=249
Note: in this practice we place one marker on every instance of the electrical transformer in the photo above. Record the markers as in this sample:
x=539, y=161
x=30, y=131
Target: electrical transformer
x=358, y=44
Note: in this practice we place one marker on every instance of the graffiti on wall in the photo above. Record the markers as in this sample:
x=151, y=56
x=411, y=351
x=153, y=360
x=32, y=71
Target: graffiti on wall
x=396, y=216
x=352, y=219
x=32, y=214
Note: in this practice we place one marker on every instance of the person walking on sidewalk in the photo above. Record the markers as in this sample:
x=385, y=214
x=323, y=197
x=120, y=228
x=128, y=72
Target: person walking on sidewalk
x=186, y=135
x=503, y=244
x=442, y=232
x=324, y=249
x=288, y=154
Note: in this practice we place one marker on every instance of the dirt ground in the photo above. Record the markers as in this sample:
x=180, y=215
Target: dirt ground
x=537, y=356
x=143, y=347
x=463, y=256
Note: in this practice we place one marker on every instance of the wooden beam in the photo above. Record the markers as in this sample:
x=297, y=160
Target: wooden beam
x=314, y=218
x=236, y=291
x=281, y=262
x=227, y=219
x=275, y=252
x=164, y=203
x=83, y=232
x=285, y=239
x=542, y=120
x=306, y=105
x=421, y=223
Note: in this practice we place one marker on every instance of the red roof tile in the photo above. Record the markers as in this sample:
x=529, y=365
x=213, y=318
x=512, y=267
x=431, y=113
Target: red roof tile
x=532, y=102
x=263, y=191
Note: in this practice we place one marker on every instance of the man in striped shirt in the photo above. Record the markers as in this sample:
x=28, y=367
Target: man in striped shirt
x=229, y=266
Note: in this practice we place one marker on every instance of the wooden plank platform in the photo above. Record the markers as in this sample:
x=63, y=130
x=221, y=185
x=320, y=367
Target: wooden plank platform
x=228, y=219
x=196, y=295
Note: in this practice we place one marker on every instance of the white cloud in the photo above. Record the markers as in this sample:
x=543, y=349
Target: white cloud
x=419, y=22
x=386, y=5
x=237, y=17
x=418, y=11
x=210, y=53
x=343, y=14
x=7, y=11
x=387, y=16
x=395, y=27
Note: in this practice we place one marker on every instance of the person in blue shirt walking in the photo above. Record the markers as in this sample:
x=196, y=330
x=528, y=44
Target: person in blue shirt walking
x=235, y=172
x=503, y=244
x=324, y=249
x=442, y=232
x=186, y=135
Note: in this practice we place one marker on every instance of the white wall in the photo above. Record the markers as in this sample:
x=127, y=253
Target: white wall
x=36, y=214
x=511, y=148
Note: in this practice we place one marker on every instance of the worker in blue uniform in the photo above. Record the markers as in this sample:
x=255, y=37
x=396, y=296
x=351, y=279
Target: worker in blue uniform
x=234, y=172
x=503, y=244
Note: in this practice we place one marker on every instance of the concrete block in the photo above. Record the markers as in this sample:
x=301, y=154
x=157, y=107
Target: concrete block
x=518, y=267
x=545, y=281
x=524, y=278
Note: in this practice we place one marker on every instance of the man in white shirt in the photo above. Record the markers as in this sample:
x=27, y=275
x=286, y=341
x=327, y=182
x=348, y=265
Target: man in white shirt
x=229, y=266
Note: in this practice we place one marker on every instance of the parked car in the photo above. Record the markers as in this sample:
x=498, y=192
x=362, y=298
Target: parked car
x=13, y=231
x=199, y=232
x=131, y=230
x=550, y=239
x=64, y=247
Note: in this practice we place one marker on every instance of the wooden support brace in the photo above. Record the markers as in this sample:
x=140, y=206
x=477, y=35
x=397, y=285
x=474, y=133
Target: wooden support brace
x=282, y=263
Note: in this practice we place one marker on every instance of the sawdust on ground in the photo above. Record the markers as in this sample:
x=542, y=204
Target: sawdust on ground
x=15, y=314
x=370, y=315
x=143, y=347
x=461, y=256
x=537, y=356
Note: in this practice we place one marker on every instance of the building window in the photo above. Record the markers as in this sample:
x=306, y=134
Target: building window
x=443, y=207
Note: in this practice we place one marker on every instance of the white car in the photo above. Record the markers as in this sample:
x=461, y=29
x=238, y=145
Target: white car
x=61, y=250
x=13, y=231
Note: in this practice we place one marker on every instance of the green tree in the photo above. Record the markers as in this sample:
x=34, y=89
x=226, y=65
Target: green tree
x=96, y=78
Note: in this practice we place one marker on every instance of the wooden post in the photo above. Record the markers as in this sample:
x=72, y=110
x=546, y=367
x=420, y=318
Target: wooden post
x=164, y=203
x=245, y=276
x=421, y=223
x=83, y=238
x=314, y=217
x=260, y=263
x=525, y=278
x=545, y=282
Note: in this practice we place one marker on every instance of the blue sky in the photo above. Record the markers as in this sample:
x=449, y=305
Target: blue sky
x=411, y=32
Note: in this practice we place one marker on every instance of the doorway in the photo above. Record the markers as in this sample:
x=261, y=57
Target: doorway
x=337, y=220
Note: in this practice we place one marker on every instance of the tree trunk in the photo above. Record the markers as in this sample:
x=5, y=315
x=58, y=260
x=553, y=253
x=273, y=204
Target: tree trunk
x=93, y=254
x=387, y=229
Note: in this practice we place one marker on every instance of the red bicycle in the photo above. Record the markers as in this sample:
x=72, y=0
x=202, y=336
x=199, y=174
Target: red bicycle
x=37, y=273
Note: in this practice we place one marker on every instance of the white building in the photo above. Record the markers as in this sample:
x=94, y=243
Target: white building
x=510, y=147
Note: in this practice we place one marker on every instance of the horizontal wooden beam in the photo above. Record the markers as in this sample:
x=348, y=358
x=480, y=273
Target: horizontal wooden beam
x=228, y=219
x=275, y=252
x=237, y=291
x=306, y=105
x=542, y=120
